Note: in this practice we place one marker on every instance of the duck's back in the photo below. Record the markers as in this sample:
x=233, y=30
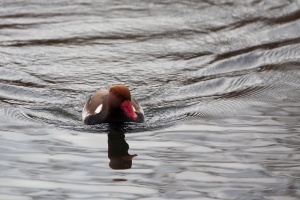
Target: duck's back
x=96, y=108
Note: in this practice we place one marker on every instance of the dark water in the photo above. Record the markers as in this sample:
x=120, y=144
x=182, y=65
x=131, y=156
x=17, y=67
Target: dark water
x=219, y=82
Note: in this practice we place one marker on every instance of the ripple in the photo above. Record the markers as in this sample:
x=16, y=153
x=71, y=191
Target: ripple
x=14, y=114
x=19, y=78
x=218, y=81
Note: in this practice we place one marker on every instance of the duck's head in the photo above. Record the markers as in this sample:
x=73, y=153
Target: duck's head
x=119, y=97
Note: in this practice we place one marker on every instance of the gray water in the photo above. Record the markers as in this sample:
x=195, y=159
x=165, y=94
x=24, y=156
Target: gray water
x=219, y=82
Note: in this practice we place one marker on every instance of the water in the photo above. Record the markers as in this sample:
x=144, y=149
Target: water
x=218, y=81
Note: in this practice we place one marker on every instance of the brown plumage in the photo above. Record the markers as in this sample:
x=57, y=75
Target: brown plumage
x=113, y=105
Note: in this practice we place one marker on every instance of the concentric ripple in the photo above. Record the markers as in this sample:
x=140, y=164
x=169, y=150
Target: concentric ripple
x=218, y=81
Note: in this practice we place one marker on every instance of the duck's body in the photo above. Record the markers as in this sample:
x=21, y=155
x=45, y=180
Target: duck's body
x=113, y=105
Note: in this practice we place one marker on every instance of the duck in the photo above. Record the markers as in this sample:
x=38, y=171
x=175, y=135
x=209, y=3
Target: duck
x=112, y=105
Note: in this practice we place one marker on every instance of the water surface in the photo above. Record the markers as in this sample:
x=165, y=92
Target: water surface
x=218, y=81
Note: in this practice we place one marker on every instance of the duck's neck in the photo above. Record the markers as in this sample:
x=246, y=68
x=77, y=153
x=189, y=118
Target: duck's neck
x=114, y=111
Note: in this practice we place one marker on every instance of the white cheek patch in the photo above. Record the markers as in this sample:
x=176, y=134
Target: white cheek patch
x=84, y=114
x=99, y=108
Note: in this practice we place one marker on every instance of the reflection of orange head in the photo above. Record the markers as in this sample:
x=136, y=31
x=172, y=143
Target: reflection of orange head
x=124, y=162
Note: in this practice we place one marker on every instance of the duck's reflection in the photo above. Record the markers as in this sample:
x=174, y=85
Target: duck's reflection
x=118, y=151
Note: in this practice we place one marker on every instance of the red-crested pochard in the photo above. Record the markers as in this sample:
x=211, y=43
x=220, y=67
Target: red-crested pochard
x=113, y=105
